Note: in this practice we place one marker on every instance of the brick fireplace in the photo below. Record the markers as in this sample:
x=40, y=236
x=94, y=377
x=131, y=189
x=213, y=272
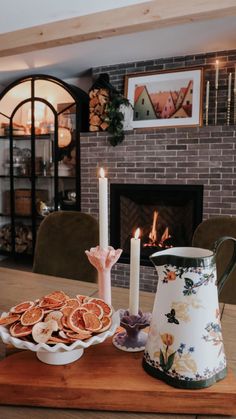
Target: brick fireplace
x=166, y=214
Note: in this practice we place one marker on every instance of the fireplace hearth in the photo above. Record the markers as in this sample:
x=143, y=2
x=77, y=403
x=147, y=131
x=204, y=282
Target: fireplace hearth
x=166, y=214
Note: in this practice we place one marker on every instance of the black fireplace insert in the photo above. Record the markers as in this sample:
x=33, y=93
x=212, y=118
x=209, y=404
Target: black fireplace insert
x=166, y=214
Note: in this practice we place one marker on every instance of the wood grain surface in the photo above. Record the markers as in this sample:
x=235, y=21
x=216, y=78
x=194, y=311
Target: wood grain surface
x=106, y=379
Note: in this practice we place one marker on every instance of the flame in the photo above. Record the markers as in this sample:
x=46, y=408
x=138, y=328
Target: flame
x=102, y=172
x=153, y=239
x=137, y=233
x=153, y=233
x=165, y=236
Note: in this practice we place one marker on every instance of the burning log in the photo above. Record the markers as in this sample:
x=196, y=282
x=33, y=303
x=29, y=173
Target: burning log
x=154, y=241
x=98, y=99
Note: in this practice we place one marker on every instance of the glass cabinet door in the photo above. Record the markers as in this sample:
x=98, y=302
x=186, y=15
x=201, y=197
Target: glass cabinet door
x=39, y=157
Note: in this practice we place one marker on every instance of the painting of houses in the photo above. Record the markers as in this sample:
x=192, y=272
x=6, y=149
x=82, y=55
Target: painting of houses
x=143, y=106
x=158, y=99
x=163, y=104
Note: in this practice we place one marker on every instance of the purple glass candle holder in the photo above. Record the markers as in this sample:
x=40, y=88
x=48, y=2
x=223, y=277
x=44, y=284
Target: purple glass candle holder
x=132, y=339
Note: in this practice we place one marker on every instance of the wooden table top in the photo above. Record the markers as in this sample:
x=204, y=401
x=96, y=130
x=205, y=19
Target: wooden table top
x=17, y=286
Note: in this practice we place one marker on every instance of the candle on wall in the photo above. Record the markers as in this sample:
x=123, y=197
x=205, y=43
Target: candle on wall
x=103, y=210
x=207, y=100
x=217, y=74
x=235, y=79
x=207, y=93
x=134, y=273
x=229, y=85
x=235, y=94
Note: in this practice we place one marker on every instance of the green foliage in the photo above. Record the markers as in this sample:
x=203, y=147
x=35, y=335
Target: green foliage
x=166, y=366
x=115, y=117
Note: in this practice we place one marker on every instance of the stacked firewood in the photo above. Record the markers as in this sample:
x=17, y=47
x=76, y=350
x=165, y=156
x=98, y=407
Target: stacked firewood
x=23, y=238
x=97, y=109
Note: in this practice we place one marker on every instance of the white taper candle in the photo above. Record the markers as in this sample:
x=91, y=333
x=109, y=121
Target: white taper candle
x=207, y=93
x=229, y=85
x=134, y=273
x=217, y=74
x=103, y=210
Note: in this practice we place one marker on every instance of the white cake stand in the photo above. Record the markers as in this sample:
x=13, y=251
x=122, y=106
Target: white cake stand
x=60, y=354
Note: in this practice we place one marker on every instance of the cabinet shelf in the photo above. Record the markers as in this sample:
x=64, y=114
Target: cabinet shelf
x=36, y=177
x=28, y=137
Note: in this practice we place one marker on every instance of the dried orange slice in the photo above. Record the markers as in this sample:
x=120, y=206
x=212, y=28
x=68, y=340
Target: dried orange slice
x=17, y=330
x=84, y=334
x=93, y=308
x=57, y=339
x=32, y=316
x=49, y=303
x=75, y=319
x=57, y=295
x=82, y=298
x=20, y=308
x=73, y=303
x=107, y=310
x=106, y=324
x=42, y=331
x=55, y=315
x=66, y=310
x=92, y=322
x=9, y=319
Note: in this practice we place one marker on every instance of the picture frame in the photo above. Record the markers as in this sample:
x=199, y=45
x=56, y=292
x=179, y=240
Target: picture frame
x=165, y=98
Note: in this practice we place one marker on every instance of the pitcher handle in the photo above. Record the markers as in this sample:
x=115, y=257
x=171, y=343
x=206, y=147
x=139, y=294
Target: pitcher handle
x=231, y=264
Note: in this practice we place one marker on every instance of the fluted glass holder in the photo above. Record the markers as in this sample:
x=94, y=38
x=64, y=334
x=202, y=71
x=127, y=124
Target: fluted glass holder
x=132, y=339
x=103, y=260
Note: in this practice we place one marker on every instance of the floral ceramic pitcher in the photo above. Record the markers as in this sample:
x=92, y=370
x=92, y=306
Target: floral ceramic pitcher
x=185, y=346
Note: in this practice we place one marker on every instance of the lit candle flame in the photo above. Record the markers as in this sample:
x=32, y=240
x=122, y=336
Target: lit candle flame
x=102, y=172
x=137, y=233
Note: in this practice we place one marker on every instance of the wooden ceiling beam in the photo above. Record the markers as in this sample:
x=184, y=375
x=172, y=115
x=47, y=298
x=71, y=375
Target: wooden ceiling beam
x=125, y=20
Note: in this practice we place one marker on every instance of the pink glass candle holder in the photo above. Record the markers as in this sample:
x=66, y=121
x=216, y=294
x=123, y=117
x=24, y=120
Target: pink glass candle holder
x=132, y=339
x=103, y=260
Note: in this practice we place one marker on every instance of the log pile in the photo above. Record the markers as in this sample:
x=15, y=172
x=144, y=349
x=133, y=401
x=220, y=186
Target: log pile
x=98, y=99
x=23, y=238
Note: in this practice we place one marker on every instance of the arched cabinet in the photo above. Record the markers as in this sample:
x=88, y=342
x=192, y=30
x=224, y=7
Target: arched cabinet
x=41, y=118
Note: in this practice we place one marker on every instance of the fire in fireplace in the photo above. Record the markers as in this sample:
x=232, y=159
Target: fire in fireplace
x=166, y=214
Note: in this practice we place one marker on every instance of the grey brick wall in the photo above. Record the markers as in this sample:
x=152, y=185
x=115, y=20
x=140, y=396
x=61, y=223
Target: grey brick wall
x=202, y=155
x=227, y=60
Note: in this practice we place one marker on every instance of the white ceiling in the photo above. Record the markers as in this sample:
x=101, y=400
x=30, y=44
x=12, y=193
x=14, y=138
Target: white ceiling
x=71, y=61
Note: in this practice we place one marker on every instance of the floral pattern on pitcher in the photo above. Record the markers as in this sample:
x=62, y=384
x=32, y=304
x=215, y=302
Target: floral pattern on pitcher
x=173, y=373
x=180, y=360
x=214, y=333
x=171, y=273
x=180, y=309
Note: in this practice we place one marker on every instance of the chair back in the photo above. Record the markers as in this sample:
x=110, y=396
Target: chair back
x=62, y=239
x=205, y=236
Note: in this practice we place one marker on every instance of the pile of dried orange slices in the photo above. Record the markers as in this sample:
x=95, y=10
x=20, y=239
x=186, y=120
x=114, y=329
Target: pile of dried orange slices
x=57, y=318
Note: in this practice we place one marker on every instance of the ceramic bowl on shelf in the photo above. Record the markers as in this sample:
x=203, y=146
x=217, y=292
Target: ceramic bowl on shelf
x=60, y=353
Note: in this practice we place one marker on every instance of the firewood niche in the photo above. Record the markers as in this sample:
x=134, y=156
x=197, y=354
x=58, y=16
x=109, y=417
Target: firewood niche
x=104, y=109
x=98, y=99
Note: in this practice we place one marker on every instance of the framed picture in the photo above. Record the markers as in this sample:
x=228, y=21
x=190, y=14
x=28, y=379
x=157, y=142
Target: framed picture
x=165, y=99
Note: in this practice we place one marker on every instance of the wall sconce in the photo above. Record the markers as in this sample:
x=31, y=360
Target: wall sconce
x=64, y=137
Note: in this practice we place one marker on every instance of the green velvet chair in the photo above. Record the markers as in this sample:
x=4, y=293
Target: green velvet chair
x=205, y=235
x=62, y=239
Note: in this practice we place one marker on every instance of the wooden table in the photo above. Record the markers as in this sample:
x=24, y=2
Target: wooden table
x=17, y=286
